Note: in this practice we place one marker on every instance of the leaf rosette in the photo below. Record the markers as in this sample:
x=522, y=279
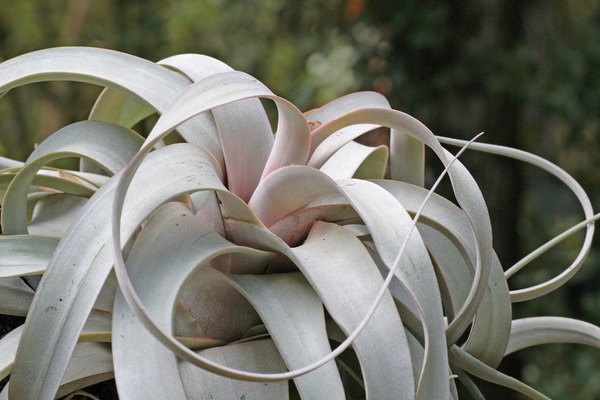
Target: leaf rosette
x=234, y=253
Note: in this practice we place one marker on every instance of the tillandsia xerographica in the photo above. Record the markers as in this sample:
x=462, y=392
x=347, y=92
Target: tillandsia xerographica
x=228, y=256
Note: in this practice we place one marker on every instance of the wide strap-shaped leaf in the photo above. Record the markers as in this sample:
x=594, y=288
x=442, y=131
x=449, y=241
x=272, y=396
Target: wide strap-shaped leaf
x=73, y=279
x=145, y=80
x=8, y=349
x=554, y=283
x=15, y=297
x=91, y=363
x=6, y=163
x=389, y=224
x=259, y=355
x=264, y=239
x=245, y=121
x=142, y=366
x=109, y=145
x=292, y=138
x=293, y=315
x=25, y=254
x=407, y=161
x=10, y=342
x=290, y=189
x=355, y=160
x=455, y=254
x=465, y=189
x=532, y=331
x=119, y=107
x=187, y=244
x=343, y=279
x=470, y=364
x=489, y=333
x=341, y=106
x=347, y=281
x=52, y=178
x=53, y=214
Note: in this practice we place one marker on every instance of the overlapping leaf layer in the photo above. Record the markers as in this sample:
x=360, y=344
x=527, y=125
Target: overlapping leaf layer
x=237, y=254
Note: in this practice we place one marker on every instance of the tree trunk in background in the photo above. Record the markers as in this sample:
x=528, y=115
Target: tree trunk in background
x=443, y=65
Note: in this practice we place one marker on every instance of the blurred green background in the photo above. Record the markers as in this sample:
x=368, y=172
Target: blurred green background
x=525, y=72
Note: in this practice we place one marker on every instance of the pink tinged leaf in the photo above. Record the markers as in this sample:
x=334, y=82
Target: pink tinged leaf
x=292, y=138
x=341, y=106
x=247, y=140
x=287, y=190
x=293, y=228
x=244, y=128
x=355, y=160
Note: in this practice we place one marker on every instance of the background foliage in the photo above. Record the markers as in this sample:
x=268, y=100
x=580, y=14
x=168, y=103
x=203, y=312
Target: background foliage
x=523, y=71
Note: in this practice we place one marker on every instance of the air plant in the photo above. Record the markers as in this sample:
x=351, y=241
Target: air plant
x=231, y=254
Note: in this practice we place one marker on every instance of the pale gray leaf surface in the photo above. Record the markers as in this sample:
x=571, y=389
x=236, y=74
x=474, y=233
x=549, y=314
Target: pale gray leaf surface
x=292, y=137
x=407, y=160
x=25, y=254
x=119, y=107
x=527, y=332
x=465, y=189
x=145, y=80
x=244, y=120
x=15, y=297
x=53, y=214
x=343, y=280
x=389, y=225
x=293, y=315
x=473, y=366
x=341, y=106
x=73, y=279
x=109, y=145
x=552, y=284
x=358, y=161
x=90, y=363
x=159, y=272
x=279, y=195
x=259, y=355
x=8, y=349
x=90, y=139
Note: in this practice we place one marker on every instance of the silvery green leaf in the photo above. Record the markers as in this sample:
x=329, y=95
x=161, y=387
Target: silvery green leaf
x=355, y=160
x=152, y=84
x=532, y=331
x=8, y=349
x=259, y=355
x=94, y=140
x=25, y=254
x=185, y=245
x=293, y=315
x=552, y=284
x=73, y=279
x=15, y=297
